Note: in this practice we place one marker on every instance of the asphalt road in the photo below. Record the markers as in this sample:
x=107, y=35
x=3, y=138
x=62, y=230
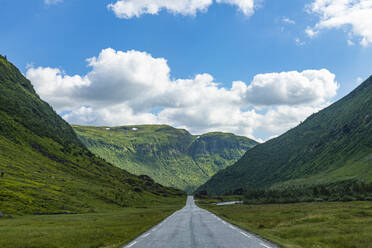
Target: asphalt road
x=193, y=227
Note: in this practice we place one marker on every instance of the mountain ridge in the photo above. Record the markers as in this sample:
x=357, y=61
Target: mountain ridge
x=171, y=156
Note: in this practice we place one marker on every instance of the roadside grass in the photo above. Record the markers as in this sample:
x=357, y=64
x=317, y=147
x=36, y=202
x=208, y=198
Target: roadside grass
x=303, y=225
x=92, y=230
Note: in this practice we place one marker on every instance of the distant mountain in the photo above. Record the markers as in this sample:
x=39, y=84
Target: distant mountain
x=330, y=147
x=44, y=167
x=171, y=156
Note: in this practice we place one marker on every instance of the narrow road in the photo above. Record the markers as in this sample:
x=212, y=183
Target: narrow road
x=193, y=227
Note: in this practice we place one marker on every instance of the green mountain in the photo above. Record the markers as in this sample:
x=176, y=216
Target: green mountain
x=333, y=146
x=44, y=167
x=171, y=156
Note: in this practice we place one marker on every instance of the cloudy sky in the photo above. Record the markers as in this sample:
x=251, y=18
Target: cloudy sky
x=252, y=67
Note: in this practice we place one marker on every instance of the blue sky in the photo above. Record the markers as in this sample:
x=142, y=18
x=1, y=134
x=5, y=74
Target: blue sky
x=220, y=40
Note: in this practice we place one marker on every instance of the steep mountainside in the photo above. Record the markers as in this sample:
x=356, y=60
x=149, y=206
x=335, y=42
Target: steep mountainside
x=332, y=146
x=44, y=167
x=171, y=156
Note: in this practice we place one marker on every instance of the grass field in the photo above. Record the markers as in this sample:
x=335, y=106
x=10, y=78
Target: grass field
x=111, y=229
x=305, y=225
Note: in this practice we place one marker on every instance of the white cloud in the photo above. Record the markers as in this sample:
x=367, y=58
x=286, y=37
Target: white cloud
x=311, y=32
x=292, y=88
x=299, y=42
x=50, y=2
x=135, y=8
x=245, y=6
x=58, y=89
x=354, y=15
x=135, y=88
x=288, y=21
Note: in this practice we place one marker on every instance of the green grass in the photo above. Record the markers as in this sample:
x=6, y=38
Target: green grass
x=33, y=183
x=332, y=146
x=172, y=157
x=107, y=229
x=303, y=225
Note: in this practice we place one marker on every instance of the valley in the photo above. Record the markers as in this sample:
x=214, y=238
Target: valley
x=50, y=180
x=186, y=124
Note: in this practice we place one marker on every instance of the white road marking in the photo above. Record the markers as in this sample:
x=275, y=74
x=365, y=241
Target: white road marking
x=132, y=244
x=146, y=235
x=265, y=245
x=246, y=234
x=232, y=227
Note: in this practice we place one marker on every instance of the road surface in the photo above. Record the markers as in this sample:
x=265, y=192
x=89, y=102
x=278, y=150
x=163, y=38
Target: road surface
x=193, y=227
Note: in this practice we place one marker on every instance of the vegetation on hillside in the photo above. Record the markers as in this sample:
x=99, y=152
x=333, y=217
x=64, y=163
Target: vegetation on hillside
x=172, y=157
x=339, y=191
x=44, y=168
x=333, y=146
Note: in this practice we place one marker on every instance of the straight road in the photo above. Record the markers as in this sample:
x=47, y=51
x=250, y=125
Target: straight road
x=193, y=227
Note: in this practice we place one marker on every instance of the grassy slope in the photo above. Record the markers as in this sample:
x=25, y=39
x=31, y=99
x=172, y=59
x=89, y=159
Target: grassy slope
x=44, y=168
x=333, y=145
x=173, y=157
x=304, y=225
